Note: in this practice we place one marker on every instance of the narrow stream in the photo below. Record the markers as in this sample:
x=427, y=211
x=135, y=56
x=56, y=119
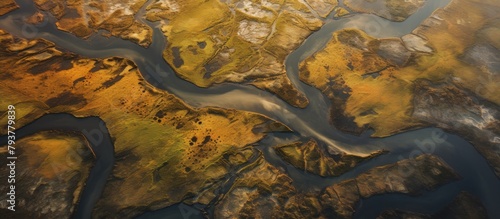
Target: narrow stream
x=478, y=177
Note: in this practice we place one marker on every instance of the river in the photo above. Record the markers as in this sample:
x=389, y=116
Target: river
x=478, y=178
x=102, y=147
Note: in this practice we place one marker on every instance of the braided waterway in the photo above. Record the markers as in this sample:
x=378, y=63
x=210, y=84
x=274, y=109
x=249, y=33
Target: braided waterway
x=478, y=177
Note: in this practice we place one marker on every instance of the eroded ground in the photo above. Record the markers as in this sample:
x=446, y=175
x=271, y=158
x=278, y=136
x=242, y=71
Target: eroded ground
x=237, y=41
x=167, y=147
x=84, y=18
x=50, y=166
x=444, y=73
x=267, y=192
x=310, y=157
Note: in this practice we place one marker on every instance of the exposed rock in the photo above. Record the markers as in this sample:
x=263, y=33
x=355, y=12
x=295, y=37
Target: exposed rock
x=254, y=32
x=51, y=170
x=484, y=56
x=193, y=152
x=415, y=43
x=311, y=158
x=462, y=112
x=245, y=41
x=83, y=18
x=393, y=51
x=395, y=10
x=372, y=86
x=412, y=176
x=373, y=83
x=266, y=192
x=261, y=192
x=7, y=6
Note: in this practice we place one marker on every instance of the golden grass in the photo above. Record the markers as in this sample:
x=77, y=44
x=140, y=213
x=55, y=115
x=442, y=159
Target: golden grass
x=390, y=95
x=153, y=129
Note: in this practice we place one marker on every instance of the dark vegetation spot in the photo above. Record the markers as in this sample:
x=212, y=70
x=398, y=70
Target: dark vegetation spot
x=202, y=44
x=156, y=172
x=112, y=81
x=176, y=52
x=97, y=66
x=206, y=140
x=58, y=63
x=368, y=112
x=216, y=111
x=187, y=169
x=5, y=75
x=194, y=139
x=78, y=80
x=43, y=66
x=341, y=92
x=350, y=66
x=65, y=63
x=180, y=125
x=160, y=114
x=212, y=67
x=67, y=98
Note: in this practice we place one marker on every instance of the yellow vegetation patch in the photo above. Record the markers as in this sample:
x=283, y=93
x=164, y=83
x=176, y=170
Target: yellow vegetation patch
x=153, y=131
x=240, y=41
x=383, y=100
x=53, y=156
x=386, y=97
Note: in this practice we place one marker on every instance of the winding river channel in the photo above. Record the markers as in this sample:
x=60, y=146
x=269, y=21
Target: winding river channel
x=477, y=177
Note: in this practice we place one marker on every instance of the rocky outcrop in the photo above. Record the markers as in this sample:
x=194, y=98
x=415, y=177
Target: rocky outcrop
x=51, y=169
x=7, y=6
x=262, y=192
x=463, y=112
x=193, y=148
x=267, y=192
x=449, y=79
x=411, y=176
x=242, y=41
x=84, y=18
x=311, y=158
